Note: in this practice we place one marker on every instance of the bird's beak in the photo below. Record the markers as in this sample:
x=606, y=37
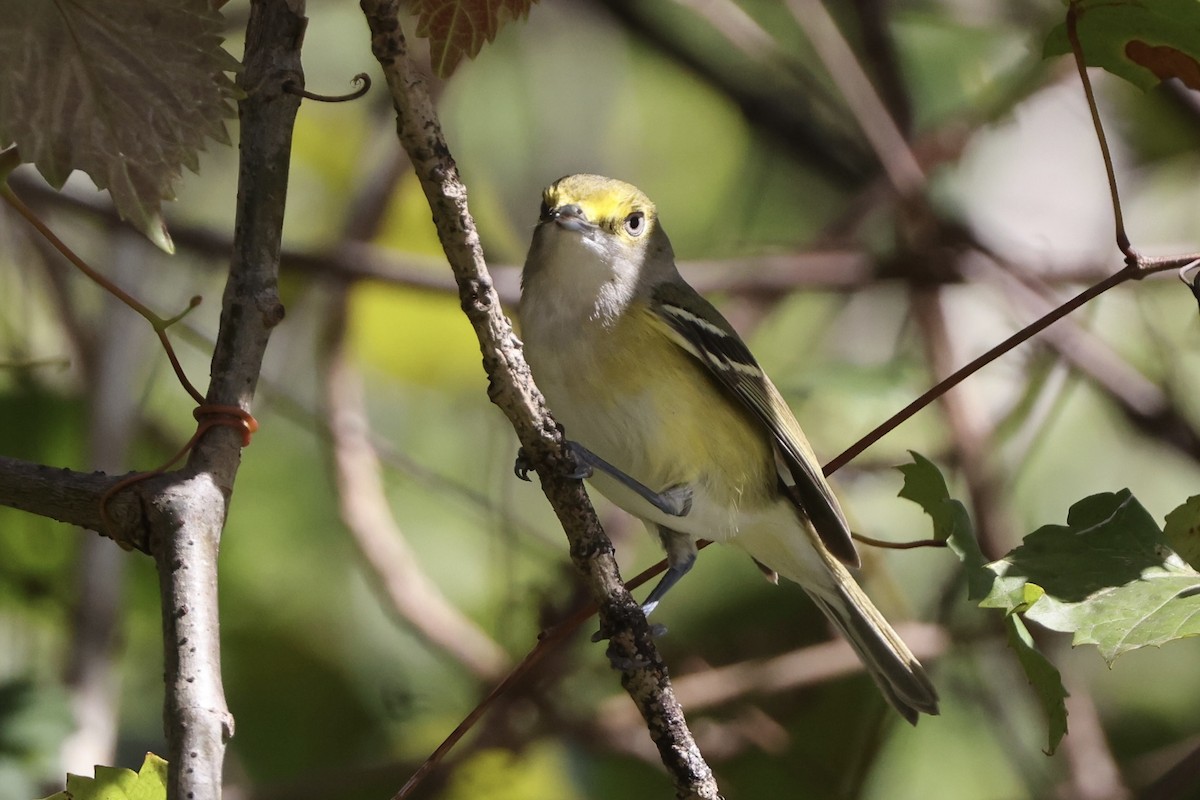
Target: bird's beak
x=571, y=217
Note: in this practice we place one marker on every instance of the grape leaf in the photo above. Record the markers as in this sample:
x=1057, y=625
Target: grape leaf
x=457, y=28
x=1142, y=41
x=1182, y=530
x=925, y=486
x=114, y=783
x=1044, y=677
x=1108, y=576
x=124, y=90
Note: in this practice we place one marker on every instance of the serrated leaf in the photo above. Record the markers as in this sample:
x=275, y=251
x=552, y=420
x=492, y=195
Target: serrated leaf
x=1045, y=679
x=1109, y=577
x=1142, y=41
x=1182, y=530
x=458, y=28
x=124, y=90
x=925, y=486
x=116, y=783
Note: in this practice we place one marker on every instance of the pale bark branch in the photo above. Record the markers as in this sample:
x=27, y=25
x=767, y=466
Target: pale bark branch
x=512, y=389
x=407, y=591
x=187, y=516
x=71, y=497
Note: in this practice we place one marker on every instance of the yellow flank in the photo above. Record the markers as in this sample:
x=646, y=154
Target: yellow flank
x=693, y=434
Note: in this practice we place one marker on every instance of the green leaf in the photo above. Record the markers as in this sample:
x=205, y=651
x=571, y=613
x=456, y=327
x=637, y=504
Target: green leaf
x=457, y=28
x=925, y=486
x=115, y=783
x=1109, y=577
x=1182, y=530
x=127, y=91
x=1142, y=41
x=1045, y=679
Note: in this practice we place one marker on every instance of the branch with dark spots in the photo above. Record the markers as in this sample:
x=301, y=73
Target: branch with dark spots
x=512, y=390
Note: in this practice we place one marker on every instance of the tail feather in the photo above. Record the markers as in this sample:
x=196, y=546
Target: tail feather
x=886, y=657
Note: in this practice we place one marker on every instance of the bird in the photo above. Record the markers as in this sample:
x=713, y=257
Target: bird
x=673, y=420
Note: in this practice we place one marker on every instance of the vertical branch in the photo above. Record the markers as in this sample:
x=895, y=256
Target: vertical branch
x=188, y=513
x=511, y=388
x=112, y=349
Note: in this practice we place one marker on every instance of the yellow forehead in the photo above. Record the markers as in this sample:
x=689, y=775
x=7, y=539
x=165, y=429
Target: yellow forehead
x=602, y=199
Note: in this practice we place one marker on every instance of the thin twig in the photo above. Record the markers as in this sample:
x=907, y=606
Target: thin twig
x=1131, y=255
x=884, y=544
x=362, y=79
x=1143, y=402
x=159, y=324
x=1136, y=271
x=872, y=115
x=806, y=666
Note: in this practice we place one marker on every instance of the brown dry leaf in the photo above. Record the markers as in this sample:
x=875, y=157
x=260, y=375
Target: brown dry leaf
x=457, y=28
x=1165, y=62
x=124, y=90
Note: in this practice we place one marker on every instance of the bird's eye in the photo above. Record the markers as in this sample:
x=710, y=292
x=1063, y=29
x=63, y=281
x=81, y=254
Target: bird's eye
x=635, y=223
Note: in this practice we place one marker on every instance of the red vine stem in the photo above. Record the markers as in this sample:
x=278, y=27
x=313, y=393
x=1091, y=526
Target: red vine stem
x=1138, y=269
x=159, y=324
x=1131, y=255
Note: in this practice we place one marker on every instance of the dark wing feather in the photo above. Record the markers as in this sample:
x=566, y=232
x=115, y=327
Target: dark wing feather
x=713, y=342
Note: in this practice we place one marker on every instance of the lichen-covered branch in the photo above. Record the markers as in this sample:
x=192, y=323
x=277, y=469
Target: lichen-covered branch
x=511, y=388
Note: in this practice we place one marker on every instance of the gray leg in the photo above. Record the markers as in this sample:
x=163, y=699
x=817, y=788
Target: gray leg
x=675, y=501
x=681, y=555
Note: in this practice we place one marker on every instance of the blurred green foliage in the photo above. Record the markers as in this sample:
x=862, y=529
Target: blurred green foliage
x=336, y=698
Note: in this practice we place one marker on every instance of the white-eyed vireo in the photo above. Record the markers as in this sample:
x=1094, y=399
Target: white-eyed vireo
x=678, y=425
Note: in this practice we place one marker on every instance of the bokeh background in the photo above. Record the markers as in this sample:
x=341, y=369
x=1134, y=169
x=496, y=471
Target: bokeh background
x=373, y=398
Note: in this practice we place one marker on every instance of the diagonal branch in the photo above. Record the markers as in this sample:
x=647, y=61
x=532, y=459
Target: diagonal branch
x=512, y=389
x=391, y=562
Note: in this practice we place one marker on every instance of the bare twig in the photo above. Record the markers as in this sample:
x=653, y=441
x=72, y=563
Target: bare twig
x=159, y=324
x=1131, y=255
x=801, y=116
x=872, y=115
x=1144, y=403
x=1131, y=272
x=70, y=497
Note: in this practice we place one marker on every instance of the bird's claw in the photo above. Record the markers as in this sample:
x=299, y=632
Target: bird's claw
x=521, y=466
x=583, y=465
